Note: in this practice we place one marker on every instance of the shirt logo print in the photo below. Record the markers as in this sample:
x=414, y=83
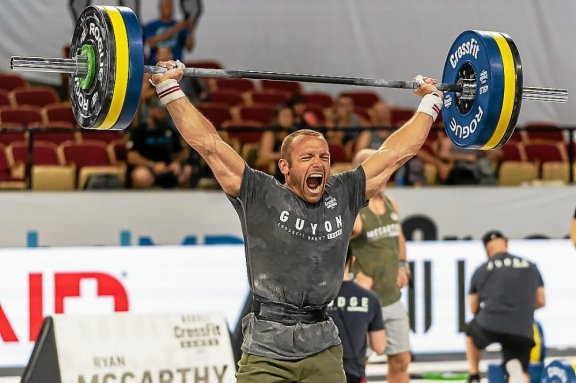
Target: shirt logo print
x=330, y=203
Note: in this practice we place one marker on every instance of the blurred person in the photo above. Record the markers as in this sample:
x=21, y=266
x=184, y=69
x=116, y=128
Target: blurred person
x=303, y=118
x=271, y=141
x=296, y=233
x=165, y=31
x=155, y=153
x=379, y=246
x=342, y=115
x=467, y=166
x=504, y=293
x=358, y=316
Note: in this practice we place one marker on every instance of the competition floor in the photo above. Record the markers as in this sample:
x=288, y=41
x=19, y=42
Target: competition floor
x=377, y=368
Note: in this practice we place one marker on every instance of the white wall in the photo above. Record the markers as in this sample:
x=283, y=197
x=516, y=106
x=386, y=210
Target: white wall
x=392, y=39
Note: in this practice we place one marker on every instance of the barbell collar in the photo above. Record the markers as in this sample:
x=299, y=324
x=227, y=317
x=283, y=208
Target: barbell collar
x=78, y=67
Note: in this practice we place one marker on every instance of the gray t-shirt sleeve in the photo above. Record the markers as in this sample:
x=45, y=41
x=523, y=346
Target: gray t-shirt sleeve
x=474, y=281
x=540, y=280
x=355, y=180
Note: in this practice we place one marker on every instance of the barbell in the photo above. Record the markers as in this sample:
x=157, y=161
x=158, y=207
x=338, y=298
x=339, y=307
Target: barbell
x=482, y=78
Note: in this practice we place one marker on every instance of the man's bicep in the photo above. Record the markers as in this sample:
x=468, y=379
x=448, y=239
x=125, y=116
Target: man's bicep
x=228, y=167
x=378, y=169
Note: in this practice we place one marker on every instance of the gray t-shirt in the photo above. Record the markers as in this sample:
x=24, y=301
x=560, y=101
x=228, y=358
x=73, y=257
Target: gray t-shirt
x=506, y=286
x=295, y=253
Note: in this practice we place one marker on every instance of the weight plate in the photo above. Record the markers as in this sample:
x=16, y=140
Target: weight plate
x=91, y=106
x=474, y=56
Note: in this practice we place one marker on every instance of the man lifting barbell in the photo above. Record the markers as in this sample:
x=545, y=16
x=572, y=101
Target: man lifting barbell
x=296, y=234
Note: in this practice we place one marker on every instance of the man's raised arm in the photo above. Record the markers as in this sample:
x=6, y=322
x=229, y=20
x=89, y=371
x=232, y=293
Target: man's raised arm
x=405, y=142
x=226, y=164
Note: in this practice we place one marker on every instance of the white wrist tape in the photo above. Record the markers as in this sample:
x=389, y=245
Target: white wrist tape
x=169, y=91
x=431, y=104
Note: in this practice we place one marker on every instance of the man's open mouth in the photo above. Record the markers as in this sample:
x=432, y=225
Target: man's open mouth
x=314, y=182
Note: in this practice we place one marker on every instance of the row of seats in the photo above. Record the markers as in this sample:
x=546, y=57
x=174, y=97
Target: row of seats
x=37, y=96
x=57, y=114
x=68, y=164
x=58, y=136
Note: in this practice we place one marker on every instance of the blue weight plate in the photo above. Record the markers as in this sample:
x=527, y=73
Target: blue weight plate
x=136, y=71
x=517, y=91
x=474, y=55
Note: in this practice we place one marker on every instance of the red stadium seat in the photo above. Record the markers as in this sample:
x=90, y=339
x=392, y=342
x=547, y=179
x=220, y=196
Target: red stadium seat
x=10, y=81
x=235, y=131
x=365, y=99
x=543, y=131
x=105, y=136
x=59, y=111
x=285, y=86
x=10, y=135
x=512, y=151
x=4, y=99
x=88, y=153
x=259, y=112
x=61, y=133
x=541, y=153
x=22, y=115
x=337, y=153
x=242, y=84
x=269, y=97
x=39, y=96
x=230, y=97
x=319, y=98
x=44, y=153
x=217, y=113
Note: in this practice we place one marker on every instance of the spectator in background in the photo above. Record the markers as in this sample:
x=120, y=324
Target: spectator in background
x=342, y=115
x=358, y=316
x=167, y=32
x=302, y=118
x=467, y=166
x=271, y=141
x=573, y=229
x=504, y=292
x=155, y=153
x=379, y=246
x=381, y=118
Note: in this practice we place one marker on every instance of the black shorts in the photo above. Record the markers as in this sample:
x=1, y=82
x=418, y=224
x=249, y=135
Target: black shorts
x=513, y=346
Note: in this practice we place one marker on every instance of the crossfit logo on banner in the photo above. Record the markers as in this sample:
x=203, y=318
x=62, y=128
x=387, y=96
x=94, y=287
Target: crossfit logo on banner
x=197, y=331
x=72, y=291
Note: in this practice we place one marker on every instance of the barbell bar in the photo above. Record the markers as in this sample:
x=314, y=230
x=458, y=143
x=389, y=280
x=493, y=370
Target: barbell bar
x=482, y=78
x=77, y=66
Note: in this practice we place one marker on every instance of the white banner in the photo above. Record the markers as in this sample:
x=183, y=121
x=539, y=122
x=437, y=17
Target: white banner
x=124, y=347
x=200, y=217
x=41, y=282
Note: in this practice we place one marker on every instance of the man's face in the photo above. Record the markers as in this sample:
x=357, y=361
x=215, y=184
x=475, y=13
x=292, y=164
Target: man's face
x=166, y=9
x=345, y=106
x=309, y=168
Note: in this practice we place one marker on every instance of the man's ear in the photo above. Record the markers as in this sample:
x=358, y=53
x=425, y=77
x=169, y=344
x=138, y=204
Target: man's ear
x=283, y=165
